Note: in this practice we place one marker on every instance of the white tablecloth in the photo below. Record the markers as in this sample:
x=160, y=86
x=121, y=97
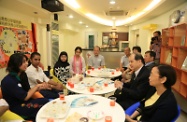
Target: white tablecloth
x=105, y=72
x=116, y=112
x=82, y=89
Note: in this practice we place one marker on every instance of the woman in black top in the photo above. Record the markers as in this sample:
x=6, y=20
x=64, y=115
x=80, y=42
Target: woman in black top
x=16, y=90
x=162, y=107
x=62, y=68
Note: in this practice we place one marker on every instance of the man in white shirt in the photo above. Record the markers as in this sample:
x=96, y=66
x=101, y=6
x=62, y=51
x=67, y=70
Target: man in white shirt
x=124, y=62
x=96, y=60
x=37, y=76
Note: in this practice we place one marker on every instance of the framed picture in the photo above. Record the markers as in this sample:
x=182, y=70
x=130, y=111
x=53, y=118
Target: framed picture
x=105, y=40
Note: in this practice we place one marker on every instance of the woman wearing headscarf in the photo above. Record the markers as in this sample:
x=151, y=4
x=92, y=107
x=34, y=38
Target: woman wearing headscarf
x=62, y=68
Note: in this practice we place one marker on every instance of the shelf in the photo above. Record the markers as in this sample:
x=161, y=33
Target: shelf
x=174, y=62
x=183, y=90
x=174, y=44
x=184, y=78
x=176, y=86
x=181, y=56
x=175, y=52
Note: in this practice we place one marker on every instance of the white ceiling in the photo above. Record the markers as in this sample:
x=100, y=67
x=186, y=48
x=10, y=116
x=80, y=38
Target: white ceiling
x=97, y=7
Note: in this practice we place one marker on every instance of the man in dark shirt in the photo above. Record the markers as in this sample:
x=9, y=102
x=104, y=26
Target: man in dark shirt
x=149, y=59
x=135, y=90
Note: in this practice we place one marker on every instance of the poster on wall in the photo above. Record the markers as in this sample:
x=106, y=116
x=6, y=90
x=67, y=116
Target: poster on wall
x=15, y=37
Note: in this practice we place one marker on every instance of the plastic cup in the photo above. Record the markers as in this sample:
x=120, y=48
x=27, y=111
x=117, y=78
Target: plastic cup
x=61, y=95
x=92, y=68
x=69, y=82
x=108, y=119
x=105, y=84
x=112, y=73
x=71, y=85
x=88, y=71
x=99, y=68
x=50, y=120
x=91, y=89
x=112, y=101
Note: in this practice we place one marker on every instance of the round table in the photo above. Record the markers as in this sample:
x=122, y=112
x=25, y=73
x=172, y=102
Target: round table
x=103, y=105
x=97, y=83
x=103, y=72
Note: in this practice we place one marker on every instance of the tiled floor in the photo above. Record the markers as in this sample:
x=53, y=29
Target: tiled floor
x=182, y=117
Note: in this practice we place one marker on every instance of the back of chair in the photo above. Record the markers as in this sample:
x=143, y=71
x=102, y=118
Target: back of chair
x=178, y=114
x=130, y=110
x=54, y=78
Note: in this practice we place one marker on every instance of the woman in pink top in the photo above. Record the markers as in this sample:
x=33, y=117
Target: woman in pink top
x=77, y=62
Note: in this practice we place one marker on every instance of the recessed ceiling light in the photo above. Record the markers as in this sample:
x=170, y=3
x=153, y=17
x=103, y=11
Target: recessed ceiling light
x=112, y=2
x=86, y=25
x=80, y=22
x=70, y=16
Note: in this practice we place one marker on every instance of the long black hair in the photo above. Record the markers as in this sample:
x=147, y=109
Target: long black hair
x=15, y=61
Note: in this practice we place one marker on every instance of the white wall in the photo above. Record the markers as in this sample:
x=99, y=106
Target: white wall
x=41, y=33
x=145, y=35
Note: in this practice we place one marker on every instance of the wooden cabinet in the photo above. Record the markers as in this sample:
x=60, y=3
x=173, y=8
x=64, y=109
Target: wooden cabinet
x=174, y=52
x=114, y=37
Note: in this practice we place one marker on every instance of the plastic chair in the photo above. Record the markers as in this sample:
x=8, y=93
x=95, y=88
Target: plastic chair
x=8, y=115
x=54, y=78
x=179, y=111
x=130, y=110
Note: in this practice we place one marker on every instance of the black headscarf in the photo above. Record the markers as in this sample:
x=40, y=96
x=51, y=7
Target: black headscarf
x=59, y=63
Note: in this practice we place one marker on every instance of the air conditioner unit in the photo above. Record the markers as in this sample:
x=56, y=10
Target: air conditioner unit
x=52, y=5
x=116, y=13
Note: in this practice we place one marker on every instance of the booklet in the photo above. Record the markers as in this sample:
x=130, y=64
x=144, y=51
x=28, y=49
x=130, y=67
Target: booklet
x=83, y=102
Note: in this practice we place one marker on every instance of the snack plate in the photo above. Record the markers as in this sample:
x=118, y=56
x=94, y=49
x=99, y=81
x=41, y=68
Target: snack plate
x=56, y=109
x=95, y=114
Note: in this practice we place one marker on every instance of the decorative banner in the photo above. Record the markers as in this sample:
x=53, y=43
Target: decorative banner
x=15, y=37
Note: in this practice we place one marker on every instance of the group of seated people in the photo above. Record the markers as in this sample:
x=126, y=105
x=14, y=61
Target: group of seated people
x=148, y=83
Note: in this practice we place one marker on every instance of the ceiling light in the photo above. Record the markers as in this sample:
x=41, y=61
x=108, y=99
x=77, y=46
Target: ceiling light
x=73, y=3
x=70, y=16
x=130, y=19
x=112, y=2
x=80, y=22
x=87, y=26
x=151, y=5
x=99, y=20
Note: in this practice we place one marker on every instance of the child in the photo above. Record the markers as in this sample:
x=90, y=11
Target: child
x=62, y=68
x=36, y=76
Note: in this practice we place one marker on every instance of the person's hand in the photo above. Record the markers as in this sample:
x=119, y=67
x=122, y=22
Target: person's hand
x=128, y=119
x=118, y=84
x=122, y=70
x=40, y=87
x=59, y=87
